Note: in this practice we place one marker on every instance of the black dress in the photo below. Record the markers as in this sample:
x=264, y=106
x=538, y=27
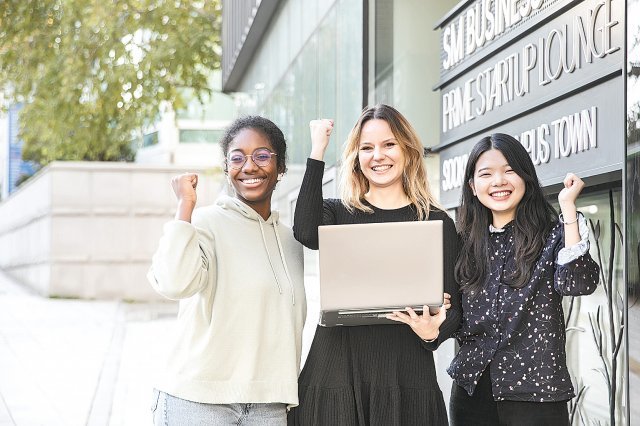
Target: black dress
x=369, y=375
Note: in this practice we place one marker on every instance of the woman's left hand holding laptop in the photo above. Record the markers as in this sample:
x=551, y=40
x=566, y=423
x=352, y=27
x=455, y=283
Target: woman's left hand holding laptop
x=427, y=325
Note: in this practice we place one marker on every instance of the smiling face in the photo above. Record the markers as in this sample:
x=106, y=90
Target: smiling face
x=497, y=186
x=380, y=157
x=253, y=184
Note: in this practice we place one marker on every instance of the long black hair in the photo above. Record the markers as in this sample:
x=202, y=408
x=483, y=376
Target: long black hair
x=534, y=219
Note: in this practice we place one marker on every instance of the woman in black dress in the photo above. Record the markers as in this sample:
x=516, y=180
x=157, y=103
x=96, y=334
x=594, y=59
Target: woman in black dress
x=377, y=374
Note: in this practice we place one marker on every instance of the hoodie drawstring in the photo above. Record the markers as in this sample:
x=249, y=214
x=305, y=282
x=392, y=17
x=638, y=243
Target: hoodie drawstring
x=264, y=241
x=284, y=262
x=254, y=216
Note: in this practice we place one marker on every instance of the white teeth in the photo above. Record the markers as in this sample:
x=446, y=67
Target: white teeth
x=380, y=168
x=250, y=181
x=500, y=194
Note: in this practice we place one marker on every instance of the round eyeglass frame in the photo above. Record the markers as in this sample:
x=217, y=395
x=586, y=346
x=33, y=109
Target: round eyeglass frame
x=262, y=150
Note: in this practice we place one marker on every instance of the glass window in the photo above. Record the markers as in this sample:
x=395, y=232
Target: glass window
x=594, y=323
x=309, y=95
x=150, y=139
x=383, y=54
x=324, y=79
x=201, y=136
x=349, y=57
x=403, y=65
x=404, y=53
x=633, y=205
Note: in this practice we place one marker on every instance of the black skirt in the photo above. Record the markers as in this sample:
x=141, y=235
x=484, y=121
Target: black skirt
x=378, y=375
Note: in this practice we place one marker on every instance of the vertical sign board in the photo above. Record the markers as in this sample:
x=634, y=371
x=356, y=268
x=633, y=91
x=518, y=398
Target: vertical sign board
x=547, y=72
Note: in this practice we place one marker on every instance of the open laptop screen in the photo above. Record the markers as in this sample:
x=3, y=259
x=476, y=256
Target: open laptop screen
x=381, y=265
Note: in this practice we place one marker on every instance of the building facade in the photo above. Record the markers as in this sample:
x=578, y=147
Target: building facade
x=189, y=135
x=14, y=169
x=559, y=75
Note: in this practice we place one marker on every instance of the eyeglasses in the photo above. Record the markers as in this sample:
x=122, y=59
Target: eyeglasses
x=260, y=157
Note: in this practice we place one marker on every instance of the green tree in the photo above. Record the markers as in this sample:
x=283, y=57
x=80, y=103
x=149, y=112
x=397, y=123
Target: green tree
x=92, y=72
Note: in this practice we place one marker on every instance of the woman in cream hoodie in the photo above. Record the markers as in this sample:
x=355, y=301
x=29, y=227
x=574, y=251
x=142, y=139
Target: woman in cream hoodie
x=238, y=274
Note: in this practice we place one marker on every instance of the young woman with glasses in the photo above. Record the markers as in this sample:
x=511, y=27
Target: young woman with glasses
x=238, y=273
x=376, y=374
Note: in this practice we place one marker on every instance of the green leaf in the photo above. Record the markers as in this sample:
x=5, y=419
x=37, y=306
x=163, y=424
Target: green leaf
x=93, y=72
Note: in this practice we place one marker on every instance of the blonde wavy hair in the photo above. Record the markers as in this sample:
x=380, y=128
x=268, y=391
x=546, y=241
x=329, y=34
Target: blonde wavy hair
x=354, y=185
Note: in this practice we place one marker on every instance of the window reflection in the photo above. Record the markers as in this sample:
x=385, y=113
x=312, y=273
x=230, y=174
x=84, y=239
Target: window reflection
x=633, y=204
x=595, y=348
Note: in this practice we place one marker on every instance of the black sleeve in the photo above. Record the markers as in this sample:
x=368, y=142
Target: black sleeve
x=451, y=248
x=311, y=210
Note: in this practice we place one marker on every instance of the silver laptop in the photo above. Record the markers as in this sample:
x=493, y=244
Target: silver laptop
x=370, y=270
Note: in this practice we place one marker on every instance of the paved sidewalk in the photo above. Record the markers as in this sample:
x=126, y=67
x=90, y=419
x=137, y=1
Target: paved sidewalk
x=77, y=362
x=73, y=362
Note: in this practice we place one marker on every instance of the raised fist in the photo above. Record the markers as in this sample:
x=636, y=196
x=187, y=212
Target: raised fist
x=320, y=131
x=184, y=186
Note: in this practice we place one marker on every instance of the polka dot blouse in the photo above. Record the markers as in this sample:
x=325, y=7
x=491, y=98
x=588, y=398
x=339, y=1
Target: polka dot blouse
x=519, y=333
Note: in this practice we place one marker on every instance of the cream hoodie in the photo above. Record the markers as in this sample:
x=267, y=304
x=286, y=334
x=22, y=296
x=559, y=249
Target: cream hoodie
x=239, y=279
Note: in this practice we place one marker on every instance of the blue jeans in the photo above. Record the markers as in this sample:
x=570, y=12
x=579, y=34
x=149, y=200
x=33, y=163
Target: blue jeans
x=169, y=410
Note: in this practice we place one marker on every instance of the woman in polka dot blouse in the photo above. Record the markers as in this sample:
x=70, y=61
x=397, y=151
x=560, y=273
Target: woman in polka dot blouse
x=518, y=260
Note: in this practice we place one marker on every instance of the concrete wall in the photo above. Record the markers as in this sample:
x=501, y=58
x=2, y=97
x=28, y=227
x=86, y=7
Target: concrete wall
x=88, y=230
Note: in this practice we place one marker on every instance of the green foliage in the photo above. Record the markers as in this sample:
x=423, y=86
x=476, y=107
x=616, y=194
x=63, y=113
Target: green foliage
x=91, y=72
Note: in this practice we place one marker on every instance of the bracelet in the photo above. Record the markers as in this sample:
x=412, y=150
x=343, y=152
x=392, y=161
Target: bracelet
x=571, y=221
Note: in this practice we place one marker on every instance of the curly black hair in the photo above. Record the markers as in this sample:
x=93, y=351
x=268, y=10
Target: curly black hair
x=264, y=126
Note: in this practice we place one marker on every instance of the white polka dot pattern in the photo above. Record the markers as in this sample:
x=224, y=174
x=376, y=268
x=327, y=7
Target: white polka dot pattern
x=520, y=333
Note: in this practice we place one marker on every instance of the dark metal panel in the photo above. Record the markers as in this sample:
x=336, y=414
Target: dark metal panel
x=244, y=22
x=547, y=49
x=549, y=10
x=545, y=138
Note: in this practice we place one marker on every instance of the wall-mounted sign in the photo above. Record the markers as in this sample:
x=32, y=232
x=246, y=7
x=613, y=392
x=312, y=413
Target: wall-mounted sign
x=477, y=29
x=582, y=133
x=550, y=87
x=482, y=22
